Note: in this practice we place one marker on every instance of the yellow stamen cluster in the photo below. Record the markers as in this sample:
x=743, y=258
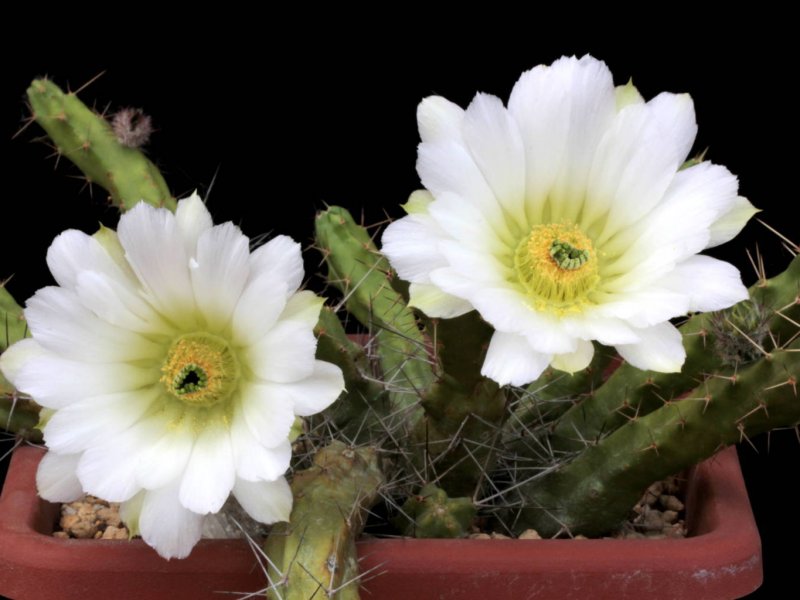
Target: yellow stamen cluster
x=200, y=369
x=557, y=264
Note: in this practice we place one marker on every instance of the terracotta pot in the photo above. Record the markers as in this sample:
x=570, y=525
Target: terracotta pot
x=721, y=559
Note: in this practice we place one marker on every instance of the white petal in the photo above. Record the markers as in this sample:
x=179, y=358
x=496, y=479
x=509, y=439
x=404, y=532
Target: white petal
x=574, y=361
x=56, y=382
x=166, y=525
x=410, y=244
x=265, y=501
x=508, y=311
x=61, y=324
x=56, y=480
x=210, y=473
x=268, y=410
x=220, y=272
x=731, y=222
x=675, y=230
x=281, y=258
x=117, y=304
x=88, y=422
x=316, y=392
x=157, y=253
x=494, y=141
x=483, y=268
x=562, y=111
x=447, y=167
x=130, y=512
x=435, y=303
x=594, y=325
x=303, y=307
x=660, y=349
x=108, y=469
x=164, y=460
x=511, y=360
x=73, y=252
x=635, y=162
x=627, y=94
x=675, y=115
x=709, y=284
x=17, y=356
x=653, y=305
x=253, y=460
x=439, y=119
x=464, y=222
x=193, y=219
x=258, y=309
x=285, y=353
x=418, y=202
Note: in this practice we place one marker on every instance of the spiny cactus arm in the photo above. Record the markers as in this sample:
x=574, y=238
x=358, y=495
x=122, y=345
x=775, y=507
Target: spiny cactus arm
x=629, y=391
x=314, y=555
x=19, y=416
x=87, y=139
x=12, y=321
x=594, y=493
x=358, y=410
x=432, y=514
x=455, y=441
x=363, y=275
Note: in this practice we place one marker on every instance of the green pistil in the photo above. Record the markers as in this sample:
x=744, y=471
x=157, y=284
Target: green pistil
x=568, y=257
x=192, y=378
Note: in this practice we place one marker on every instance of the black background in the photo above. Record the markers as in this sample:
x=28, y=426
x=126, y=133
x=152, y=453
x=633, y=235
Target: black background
x=286, y=134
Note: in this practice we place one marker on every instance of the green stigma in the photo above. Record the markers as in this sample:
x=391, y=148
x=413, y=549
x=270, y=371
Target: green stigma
x=200, y=369
x=568, y=257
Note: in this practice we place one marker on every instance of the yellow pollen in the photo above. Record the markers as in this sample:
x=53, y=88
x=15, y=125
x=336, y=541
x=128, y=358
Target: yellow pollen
x=557, y=265
x=200, y=369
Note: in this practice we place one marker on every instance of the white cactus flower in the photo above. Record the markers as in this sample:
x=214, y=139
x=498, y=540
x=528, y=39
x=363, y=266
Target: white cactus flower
x=565, y=218
x=175, y=362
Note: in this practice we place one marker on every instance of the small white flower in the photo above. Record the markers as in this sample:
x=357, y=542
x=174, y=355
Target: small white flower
x=175, y=361
x=564, y=218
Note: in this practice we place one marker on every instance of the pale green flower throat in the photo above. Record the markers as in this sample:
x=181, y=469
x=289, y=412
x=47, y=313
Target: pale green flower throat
x=557, y=265
x=200, y=369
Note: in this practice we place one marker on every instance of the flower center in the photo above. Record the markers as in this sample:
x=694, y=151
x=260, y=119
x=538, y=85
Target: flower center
x=200, y=369
x=557, y=264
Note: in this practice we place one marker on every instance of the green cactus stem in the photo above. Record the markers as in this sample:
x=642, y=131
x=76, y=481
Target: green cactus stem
x=19, y=416
x=88, y=140
x=363, y=276
x=358, y=411
x=12, y=321
x=432, y=514
x=456, y=439
x=630, y=392
x=314, y=555
x=555, y=392
x=593, y=494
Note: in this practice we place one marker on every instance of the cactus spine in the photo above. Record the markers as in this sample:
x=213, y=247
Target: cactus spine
x=88, y=140
x=314, y=556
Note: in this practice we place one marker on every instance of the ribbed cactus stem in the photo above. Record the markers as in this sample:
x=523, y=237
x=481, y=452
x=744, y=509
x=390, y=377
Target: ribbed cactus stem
x=314, y=555
x=432, y=514
x=594, y=493
x=12, y=321
x=19, y=416
x=88, y=140
x=363, y=276
x=629, y=391
x=358, y=411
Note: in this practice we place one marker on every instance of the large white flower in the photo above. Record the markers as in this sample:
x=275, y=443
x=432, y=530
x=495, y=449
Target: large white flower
x=175, y=361
x=564, y=218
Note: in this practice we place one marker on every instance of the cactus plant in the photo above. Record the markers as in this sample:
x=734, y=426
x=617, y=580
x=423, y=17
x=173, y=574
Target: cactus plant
x=89, y=141
x=420, y=426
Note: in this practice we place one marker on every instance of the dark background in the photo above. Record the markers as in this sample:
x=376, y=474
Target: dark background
x=285, y=135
